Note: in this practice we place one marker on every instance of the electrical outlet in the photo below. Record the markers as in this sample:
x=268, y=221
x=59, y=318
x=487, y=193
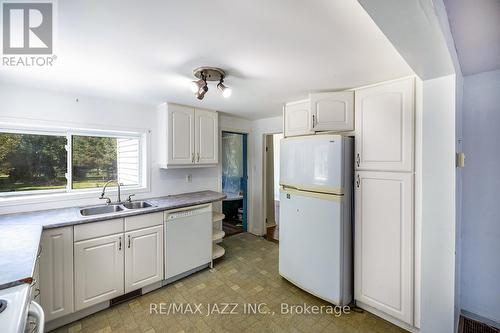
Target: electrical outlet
x=189, y=178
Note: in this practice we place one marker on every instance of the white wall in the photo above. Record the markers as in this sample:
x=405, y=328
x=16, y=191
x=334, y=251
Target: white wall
x=438, y=205
x=481, y=205
x=260, y=128
x=36, y=106
x=458, y=197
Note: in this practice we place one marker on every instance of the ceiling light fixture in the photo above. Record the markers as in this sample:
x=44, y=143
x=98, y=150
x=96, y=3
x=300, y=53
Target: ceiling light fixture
x=204, y=74
x=226, y=91
x=197, y=85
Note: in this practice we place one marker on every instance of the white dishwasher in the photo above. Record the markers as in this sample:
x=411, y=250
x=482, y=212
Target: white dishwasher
x=188, y=239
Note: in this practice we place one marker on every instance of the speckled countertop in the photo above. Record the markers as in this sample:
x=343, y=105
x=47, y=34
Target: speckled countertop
x=20, y=233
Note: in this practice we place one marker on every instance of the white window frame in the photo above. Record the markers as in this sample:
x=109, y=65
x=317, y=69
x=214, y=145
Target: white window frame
x=68, y=193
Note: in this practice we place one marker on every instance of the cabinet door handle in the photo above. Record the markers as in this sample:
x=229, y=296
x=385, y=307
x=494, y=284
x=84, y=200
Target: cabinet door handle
x=129, y=241
x=358, y=159
x=198, y=157
x=314, y=120
x=192, y=157
x=120, y=243
x=358, y=182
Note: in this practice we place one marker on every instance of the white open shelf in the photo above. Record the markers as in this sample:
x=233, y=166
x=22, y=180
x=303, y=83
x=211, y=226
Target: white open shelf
x=217, y=235
x=217, y=251
x=216, y=216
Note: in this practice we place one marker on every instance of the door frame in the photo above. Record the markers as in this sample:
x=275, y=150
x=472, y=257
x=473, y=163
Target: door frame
x=249, y=189
x=264, y=176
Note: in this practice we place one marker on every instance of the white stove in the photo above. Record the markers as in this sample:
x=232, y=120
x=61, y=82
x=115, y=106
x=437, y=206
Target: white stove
x=18, y=312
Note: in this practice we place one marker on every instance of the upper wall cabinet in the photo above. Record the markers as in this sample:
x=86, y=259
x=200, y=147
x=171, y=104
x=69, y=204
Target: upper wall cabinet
x=206, y=138
x=191, y=136
x=180, y=135
x=297, y=118
x=332, y=111
x=385, y=126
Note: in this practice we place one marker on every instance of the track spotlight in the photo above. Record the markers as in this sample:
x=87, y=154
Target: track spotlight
x=197, y=85
x=201, y=92
x=226, y=91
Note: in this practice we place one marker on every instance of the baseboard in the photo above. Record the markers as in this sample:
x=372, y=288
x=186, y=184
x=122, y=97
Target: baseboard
x=183, y=275
x=56, y=323
x=151, y=287
x=479, y=318
x=385, y=316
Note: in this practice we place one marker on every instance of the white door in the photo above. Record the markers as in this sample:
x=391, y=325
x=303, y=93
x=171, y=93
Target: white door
x=143, y=257
x=384, y=126
x=180, y=135
x=310, y=247
x=99, y=274
x=206, y=137
x=332, y=111
x=56, y=272
x=297, y=119
x=383, y=252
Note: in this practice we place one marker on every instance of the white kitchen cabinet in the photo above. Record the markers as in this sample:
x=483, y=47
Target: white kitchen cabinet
x=332, y=111
x=297, y=118
x=384, y=116
x=191, y=136
x=56, y=272
x=206, y=137
x=181, y=135
x=383, y=252
x=143, y=257
x=99, y=270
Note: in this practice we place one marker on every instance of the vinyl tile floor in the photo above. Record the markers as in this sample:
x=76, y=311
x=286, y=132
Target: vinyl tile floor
x=242, y=293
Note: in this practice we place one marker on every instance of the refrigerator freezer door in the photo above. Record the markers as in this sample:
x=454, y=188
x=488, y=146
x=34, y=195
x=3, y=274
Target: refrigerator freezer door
x=312, y=163
x=313, y=246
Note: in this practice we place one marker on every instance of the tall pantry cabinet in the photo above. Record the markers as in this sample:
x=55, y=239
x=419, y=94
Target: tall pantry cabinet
x=384, y=199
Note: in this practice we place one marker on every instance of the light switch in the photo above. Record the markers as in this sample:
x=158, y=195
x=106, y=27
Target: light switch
x=460, y=160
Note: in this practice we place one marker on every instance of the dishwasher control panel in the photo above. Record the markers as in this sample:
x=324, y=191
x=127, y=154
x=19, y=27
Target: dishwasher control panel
x=187, y=212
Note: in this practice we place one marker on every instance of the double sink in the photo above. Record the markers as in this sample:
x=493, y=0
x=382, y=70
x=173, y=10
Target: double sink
x=114, y=208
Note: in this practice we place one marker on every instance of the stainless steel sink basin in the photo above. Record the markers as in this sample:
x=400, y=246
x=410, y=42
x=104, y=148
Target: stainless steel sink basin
x=137, y=204
x=99, y=210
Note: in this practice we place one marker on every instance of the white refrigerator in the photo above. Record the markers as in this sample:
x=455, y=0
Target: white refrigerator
x=315, y=234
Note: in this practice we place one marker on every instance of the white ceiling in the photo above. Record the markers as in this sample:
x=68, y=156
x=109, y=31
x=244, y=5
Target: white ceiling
x=273, y=51
x=475, y=25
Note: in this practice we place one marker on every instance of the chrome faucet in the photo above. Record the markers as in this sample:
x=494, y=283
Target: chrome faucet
x=108, y=200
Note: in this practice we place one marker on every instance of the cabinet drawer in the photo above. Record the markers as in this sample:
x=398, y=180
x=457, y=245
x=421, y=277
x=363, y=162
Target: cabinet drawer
x=143, y=221
x=98, y=229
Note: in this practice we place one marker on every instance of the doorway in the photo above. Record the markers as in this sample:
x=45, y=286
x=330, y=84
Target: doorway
x=272, y=185
x=234, y=182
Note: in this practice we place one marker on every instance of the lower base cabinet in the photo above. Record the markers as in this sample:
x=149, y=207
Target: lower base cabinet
x=383, y=251
x=107, y=266
x=99, y=267
x=56, y=272
x=143, y=257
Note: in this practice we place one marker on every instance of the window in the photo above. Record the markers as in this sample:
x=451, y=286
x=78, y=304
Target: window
x=32, y=162
x=96, y=160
